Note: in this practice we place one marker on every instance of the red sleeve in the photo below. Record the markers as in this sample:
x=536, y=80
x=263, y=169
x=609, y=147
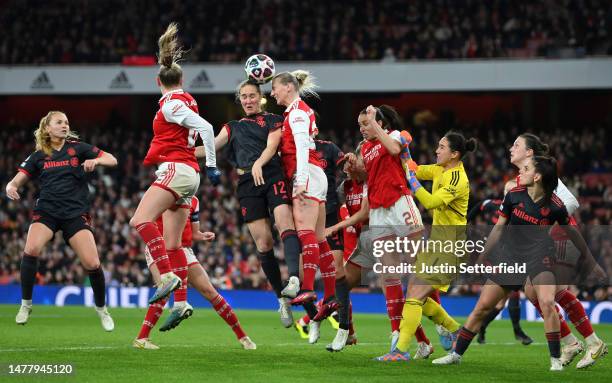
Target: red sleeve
x=229, y=130
x=22, y=170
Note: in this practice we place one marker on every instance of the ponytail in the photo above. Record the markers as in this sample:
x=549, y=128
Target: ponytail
x=170, y=52
x=534, y=143
x=458, y=143
x=303, y=81
x=547, y=168
x=42, y=137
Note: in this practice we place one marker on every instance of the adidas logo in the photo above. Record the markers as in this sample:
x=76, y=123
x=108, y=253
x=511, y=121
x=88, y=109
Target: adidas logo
x=41, y=82
x=121, y=81
x=201, y=81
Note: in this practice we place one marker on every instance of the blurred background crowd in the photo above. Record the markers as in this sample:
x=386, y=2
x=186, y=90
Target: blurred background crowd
x=82, y=31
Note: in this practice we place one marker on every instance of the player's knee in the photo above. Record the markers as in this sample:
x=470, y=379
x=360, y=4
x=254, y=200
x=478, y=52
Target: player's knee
x=32, y=250
x=134, y=221
x=91, y=264
x=209, y=292
x=264, y=244
x=547, y=305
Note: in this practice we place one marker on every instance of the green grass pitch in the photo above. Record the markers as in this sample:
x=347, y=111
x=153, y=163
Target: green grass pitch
x=204, y=349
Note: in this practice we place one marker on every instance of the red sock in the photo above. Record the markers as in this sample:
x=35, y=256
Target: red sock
x=225, y=311
x=435, y=296
x=310, y=257
x=153, y=313
x=328, y=269
x=395, y=302
x=178, y=261
x=420, y=336
x=564, y=328
x=306, y=319
x=154, y=241
x=575, y=312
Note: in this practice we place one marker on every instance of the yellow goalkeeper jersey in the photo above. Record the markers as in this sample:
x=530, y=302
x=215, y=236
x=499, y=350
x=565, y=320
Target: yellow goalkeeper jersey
x=449, y=195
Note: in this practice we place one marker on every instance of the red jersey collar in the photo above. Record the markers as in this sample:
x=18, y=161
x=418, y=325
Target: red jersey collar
x=293, y=105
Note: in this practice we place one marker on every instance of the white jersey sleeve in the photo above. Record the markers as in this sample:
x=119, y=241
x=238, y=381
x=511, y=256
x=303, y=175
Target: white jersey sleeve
x=300, y=123
x=177, y=112
x=396, y=136
x=566, y=196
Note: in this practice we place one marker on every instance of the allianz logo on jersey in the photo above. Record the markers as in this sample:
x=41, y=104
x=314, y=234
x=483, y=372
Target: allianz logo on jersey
x=121, y=81
x=41, y=82
x=201, y=81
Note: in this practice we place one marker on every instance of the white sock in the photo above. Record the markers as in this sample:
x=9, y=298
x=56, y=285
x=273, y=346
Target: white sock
x=569, y=339
x=26, y=302
x=100, y=308
x=592, y=339
x=179, y=305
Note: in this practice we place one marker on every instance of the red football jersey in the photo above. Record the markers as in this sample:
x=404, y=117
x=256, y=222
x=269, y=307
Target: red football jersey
x=194, y=216
x=353, y=195
x=386, y=177
x=171, y=141
x=350, y=234
x=287, y=144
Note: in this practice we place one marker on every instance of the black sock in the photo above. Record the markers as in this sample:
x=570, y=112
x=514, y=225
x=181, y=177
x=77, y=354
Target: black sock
x=342, y=293
x=310, y=309
x=464, y=338
x=270, y=267
x=293, y=248
x=96, y=278
x=488, y=319
x=554, y=343
x=514, y=309
x=29, y=267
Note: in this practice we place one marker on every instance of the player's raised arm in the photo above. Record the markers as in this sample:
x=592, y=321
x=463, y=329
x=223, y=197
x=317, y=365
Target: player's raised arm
x=392, y=145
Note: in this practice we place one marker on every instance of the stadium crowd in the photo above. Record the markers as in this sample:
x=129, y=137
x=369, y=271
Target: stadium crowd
x=62, y=31
x=231, y=259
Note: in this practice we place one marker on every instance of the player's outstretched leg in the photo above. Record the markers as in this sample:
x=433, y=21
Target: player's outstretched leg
x=84, y=245
x=310, y=257
x=199, y=279
x=328, y=275
x=572, y=347
x=181, y=309
x=514, y=310
x=596, y=348
x=153, y=314
x=29, y=267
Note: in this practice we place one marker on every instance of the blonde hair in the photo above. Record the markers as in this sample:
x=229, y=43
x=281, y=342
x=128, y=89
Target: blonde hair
x=43, y=139
x=303, y=81
x=170, y=52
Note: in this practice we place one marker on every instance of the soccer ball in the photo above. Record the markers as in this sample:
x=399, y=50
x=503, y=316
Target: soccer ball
x=259, y=68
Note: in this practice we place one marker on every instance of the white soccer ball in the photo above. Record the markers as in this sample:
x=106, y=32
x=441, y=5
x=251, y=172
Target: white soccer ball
x=259, y=68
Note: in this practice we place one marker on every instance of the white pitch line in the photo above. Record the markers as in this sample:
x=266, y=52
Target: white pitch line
x=94, y=348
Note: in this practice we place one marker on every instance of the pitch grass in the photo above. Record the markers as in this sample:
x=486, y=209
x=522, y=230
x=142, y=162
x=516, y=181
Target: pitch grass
x=204, y=349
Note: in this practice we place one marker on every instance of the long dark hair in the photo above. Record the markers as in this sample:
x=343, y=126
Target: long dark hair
x=458, y=143
x=388, y=117
x=547, y=168
x=534, y=143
